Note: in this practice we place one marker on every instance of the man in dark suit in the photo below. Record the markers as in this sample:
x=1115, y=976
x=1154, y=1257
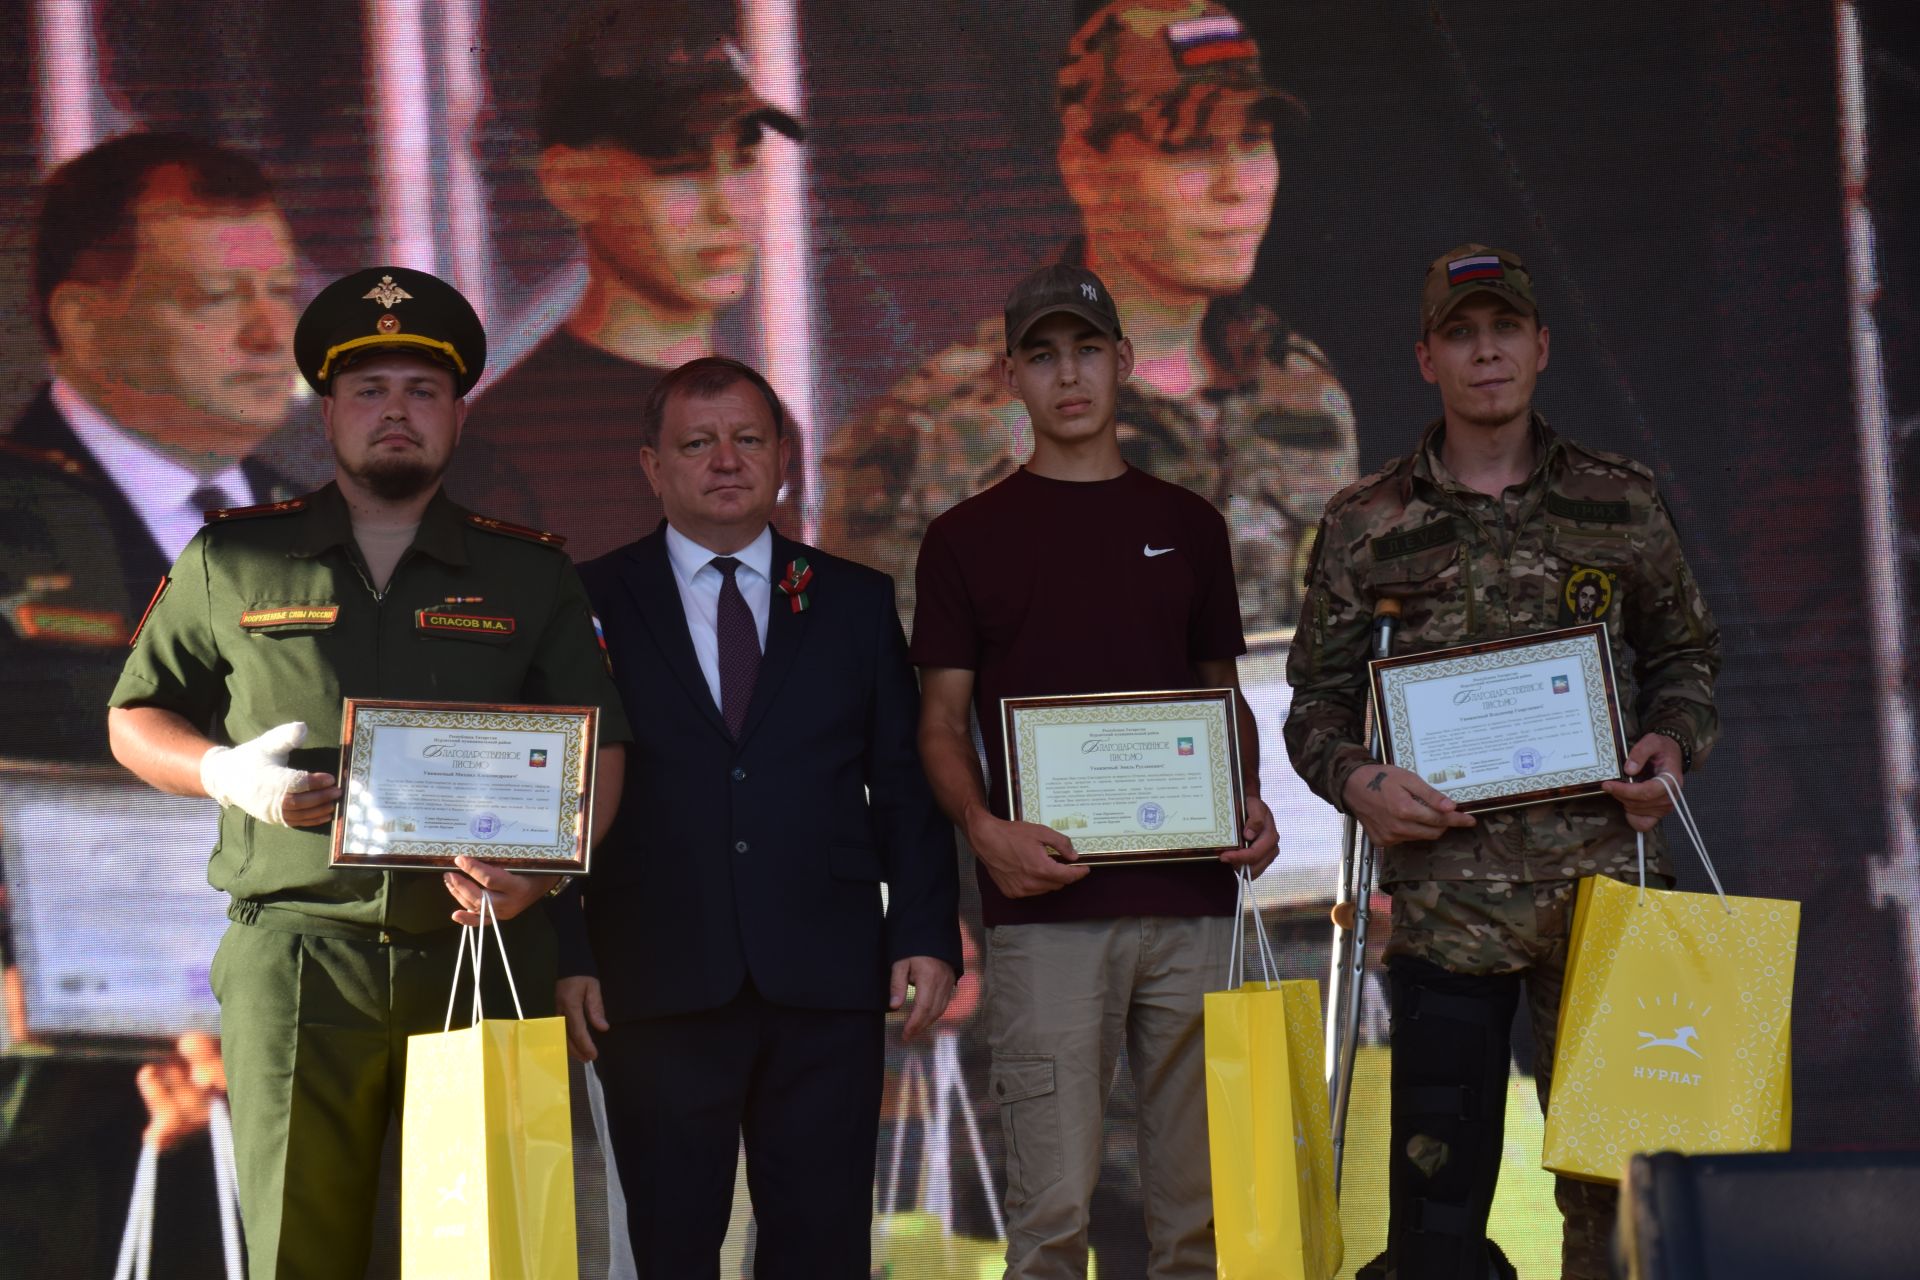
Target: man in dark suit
x=164, y=276
x=744, y=949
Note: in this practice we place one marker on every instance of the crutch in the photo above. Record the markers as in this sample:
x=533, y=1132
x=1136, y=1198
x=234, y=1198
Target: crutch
x=1350, y=920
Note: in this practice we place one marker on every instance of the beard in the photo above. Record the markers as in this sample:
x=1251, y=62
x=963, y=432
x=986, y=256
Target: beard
x=396, y=479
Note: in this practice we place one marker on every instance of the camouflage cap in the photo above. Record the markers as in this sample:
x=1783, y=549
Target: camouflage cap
x=661, y=79
x=389, y=309
x=1059, y=286
x=1467, y=269
x=1157, y=68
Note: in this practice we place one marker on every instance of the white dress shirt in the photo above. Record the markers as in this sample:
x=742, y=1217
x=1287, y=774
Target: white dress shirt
x=158, y=486
x=699, y=584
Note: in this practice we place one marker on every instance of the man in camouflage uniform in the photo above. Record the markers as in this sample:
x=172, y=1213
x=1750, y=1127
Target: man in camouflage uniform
x=1493, y=527
x=1168, y=150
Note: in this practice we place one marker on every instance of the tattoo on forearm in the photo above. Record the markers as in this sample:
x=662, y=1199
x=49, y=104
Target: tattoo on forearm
x=1378, y=778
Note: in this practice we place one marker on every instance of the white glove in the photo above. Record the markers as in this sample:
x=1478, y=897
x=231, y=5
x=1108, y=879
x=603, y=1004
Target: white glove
x=254, y=775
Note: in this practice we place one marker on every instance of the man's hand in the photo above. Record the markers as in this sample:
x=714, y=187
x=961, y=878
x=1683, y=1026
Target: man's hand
x=1395, y=806
x=1647, y=802
x=1263, y=841
x=511, y=893
x=254, y=776
x=579, y=1001
x=179, y=1090
x=932, y=983
x=1021, y=856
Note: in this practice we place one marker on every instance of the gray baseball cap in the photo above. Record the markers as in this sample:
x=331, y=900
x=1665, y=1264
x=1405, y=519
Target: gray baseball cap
x=1060, y=286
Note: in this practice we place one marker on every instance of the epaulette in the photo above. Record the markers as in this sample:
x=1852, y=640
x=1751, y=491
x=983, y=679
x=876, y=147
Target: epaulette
x=554, y=540
x=221, y=514
x=1618, y=461
x=43, y=457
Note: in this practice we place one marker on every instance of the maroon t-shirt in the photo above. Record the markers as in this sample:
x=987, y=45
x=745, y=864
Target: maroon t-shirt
x=1045, y=587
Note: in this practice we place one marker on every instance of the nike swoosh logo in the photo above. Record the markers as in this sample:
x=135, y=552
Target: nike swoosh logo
x=1153, y=551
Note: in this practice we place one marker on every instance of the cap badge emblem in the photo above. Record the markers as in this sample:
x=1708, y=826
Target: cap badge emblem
x=388, y=323
x=386, y=293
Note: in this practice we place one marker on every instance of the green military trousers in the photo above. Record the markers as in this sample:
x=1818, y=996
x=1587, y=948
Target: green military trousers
x=314, y=1031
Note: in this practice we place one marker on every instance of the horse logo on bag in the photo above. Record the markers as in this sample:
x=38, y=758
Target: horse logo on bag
x=1682, y=1038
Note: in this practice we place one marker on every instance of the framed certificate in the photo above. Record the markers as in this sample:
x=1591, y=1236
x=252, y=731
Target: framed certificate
x=423, y=783
x=112, y=923
x=1128, y=777
x=1507, y=723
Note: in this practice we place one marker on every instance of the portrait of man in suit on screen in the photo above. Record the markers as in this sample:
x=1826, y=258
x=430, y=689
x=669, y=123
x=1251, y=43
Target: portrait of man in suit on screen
x=164, y=277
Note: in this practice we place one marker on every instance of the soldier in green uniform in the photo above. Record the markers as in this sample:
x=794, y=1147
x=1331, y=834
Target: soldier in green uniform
x=268, y=620
x=1168, y=149
x=1493, y=527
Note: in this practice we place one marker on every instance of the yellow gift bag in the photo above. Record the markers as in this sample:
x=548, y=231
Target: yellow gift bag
x=486, y=1145
x=1275, y=1213
x=1674, y=1024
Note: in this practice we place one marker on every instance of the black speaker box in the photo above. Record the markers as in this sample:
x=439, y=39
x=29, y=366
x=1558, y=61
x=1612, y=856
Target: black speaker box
x=1786, y=1216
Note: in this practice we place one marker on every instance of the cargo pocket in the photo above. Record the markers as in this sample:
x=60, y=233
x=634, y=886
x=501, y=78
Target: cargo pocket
x=1022, y=1085
x=1436, y=598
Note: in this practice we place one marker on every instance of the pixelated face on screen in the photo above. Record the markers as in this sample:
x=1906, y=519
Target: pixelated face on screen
x=681, y=232
x=1188, y=211
x=193, y=346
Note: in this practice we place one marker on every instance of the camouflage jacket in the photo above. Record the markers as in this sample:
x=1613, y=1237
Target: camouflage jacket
x=1586, y=539
x=1268, y=440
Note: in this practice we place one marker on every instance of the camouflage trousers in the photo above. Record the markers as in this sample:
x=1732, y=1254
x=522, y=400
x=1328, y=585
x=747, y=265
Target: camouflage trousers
x=1487, y=927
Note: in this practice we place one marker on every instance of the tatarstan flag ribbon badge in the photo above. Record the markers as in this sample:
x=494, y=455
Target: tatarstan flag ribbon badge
x=794, y=585
x=1481, y=266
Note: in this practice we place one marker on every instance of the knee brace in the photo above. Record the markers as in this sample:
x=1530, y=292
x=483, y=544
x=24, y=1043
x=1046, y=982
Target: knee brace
x=1449, y=1097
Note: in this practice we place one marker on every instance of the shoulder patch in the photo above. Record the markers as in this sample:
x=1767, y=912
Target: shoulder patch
x=53, y=459
x=516, y=531
x=288, y=507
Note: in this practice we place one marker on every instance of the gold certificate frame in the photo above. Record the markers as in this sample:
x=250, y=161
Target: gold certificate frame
x=1129, y=777
x=423, y=783
x=1505, y=723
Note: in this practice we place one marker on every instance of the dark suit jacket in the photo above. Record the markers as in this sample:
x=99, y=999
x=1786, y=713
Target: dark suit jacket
x=764, y=858
x=72, y=547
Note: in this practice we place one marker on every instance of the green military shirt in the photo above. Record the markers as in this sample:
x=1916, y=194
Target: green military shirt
x=1585, y=539
x=269, y=616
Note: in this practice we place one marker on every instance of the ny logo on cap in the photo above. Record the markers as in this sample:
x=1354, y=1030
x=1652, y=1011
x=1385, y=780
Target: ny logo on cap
x=1093, y=294
x=386, y=293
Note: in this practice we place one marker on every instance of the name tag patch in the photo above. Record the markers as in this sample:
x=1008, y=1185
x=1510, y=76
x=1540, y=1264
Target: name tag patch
x=1392, y=546
x=291, y=615
x=466, y=624
x=58, y=625
x=1590, y=512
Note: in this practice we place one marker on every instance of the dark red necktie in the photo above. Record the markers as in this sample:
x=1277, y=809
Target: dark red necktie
x=739, y=647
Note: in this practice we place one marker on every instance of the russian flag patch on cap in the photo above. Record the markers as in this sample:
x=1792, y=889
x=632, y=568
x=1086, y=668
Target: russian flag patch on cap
x=1199, y=41
x=1482, y=266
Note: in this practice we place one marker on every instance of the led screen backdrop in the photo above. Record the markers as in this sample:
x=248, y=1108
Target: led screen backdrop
x=1713, y=199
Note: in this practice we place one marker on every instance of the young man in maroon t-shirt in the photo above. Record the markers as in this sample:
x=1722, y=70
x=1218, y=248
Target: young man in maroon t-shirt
x=1080, y=574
